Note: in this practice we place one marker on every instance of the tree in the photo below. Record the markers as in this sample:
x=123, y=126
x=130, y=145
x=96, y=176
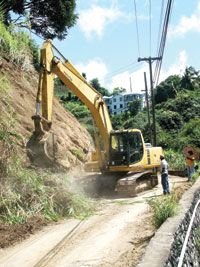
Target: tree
x=84, y=75
x=169, y=120
x=134, y=107
x=96, y=85
x=48, y=18
x=167, y=89
x=118, y=90
x=190, y=79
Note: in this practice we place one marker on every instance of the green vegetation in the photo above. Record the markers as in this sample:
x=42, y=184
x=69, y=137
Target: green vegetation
x=18, y=47
x=26, y=192
x=175, y=159
x=197, y=231
x=49, y=19
x=78, y=153
x=163, y=208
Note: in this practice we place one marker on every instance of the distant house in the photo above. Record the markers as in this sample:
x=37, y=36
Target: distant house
x=117, y=104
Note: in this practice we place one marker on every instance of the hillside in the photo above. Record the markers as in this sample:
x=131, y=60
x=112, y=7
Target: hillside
x=72, y=137
x=32, y=197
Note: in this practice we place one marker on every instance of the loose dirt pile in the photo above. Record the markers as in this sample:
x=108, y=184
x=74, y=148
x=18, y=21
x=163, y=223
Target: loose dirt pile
x=12, y=234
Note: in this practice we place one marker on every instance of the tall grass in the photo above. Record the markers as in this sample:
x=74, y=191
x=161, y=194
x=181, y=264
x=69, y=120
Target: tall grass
x=26, y=192
x=163, y=208
x=17, y=46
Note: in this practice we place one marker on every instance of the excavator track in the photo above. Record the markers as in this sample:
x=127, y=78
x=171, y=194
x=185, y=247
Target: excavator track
x=124, y=185
x=135, y=183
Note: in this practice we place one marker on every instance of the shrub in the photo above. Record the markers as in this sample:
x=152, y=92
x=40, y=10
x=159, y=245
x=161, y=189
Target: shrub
x=163, y=208
x=18, y=47
x=27, y=192
x=176, y=160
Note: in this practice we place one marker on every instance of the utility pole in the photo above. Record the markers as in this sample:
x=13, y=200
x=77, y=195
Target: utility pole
x=148, y=111
x=131, y=89
x=150, y=60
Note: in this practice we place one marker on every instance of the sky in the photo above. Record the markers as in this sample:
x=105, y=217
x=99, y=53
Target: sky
x=104, y=44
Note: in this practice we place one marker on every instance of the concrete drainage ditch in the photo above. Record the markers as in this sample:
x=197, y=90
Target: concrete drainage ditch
x=165, y=247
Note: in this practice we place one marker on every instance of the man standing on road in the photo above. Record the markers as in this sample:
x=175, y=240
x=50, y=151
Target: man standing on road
x=164, y=175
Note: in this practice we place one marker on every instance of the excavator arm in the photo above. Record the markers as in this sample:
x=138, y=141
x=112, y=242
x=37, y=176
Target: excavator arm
x=51, y=66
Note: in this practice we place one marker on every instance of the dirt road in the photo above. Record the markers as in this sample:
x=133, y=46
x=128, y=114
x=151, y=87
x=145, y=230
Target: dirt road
x=115, y=236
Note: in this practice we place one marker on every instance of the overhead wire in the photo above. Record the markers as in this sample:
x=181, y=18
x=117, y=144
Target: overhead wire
x=160, y=23
x=122, y=68
x=130, y=68
x=160, y=46
x=163, y=41
x=137, y=31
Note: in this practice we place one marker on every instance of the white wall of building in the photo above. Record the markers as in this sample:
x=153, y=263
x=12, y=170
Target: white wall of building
x=119, y=103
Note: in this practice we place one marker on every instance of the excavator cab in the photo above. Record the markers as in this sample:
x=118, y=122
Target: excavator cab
x=126, y=147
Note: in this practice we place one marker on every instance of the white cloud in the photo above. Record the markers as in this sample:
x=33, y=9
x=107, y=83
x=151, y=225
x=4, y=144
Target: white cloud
x=95, y=19
x=129, y=79
x=95, y=68
x=187, y=24
x=137, y=77
x=177, y=68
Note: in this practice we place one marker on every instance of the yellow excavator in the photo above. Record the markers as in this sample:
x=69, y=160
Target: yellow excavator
x=120, y=152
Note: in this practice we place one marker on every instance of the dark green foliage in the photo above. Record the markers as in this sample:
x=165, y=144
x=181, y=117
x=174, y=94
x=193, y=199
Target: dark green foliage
x=169, y=120
x=190, y=134
x=82, y=113
x=186, y=104
x=63, y=92
x=190, y=79
x=96, y=85
x=77, y=109
x=134, y=107
x=167, y=89
x=47, y=18
x=117, y=121
x=178, y=115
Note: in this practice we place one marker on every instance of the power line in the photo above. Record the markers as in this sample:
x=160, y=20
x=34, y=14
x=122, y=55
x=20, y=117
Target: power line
x=108, y=76
x=160, y=23
x=124, y=68
x=137, y=31
x=163, y=40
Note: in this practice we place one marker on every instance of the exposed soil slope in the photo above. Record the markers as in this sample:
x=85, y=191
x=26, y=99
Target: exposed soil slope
x=71, y=136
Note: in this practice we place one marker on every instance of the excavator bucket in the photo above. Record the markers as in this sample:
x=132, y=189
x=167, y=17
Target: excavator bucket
x=42, y=151
x=41, y=147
